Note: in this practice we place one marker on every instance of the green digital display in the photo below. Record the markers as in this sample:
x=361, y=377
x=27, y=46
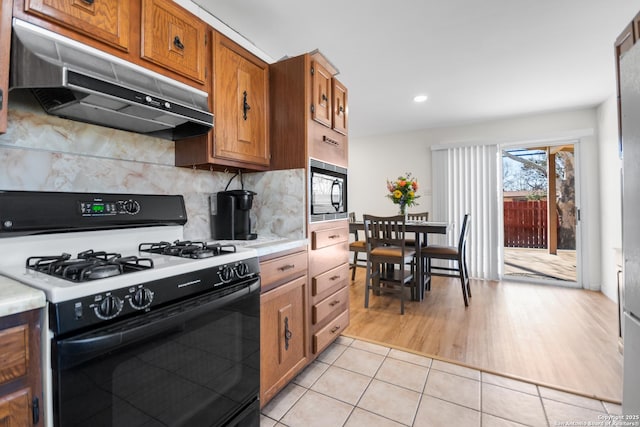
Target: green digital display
x=97, y=208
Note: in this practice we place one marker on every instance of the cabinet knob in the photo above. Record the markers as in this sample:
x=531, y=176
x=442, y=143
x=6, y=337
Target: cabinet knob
x=177, y=43
x=324, y=97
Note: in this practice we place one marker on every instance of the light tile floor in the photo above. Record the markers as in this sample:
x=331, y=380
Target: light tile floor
x=356, y=383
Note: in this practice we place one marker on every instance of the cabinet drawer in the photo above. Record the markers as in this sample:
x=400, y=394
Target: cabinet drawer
x=14, y=344
x=329, y=333
x=331, y=236
x=327, y=145
x=330, y=281
x=335, y=303
x=283, y=268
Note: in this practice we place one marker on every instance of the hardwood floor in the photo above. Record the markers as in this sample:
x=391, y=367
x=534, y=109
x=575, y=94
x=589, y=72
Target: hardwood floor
x=553, y=336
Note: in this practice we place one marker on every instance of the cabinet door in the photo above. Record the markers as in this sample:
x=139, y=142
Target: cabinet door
x=241, y=104
x=173, y=38
x=104, y=20
x=320, y=94
x=15, y=409
x=283, y=336
x=339, y=106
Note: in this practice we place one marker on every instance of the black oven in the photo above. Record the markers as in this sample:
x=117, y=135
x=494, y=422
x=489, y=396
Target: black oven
x=328, y=191
x=192, y=363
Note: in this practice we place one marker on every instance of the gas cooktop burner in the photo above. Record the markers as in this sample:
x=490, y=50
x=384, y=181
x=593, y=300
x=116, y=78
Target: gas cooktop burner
x=89, y=265
x=187, y=249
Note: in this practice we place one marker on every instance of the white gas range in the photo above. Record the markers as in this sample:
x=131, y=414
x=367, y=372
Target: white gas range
x=118, y=264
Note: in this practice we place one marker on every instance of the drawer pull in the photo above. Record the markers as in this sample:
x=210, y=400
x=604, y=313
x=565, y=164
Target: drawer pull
x=328, y=140
x=89, y=2
x=335, y=329
x=287, y=267
x=334, y=236
x=334, y=303
x=334, y=278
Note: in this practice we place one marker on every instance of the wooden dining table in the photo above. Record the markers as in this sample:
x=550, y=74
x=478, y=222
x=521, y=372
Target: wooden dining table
x=421, y=229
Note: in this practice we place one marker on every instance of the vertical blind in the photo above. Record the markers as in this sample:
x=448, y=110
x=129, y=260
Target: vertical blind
x=465, y=180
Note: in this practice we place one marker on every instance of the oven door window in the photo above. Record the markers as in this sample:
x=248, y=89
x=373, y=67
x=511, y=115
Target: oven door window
x=195, y=364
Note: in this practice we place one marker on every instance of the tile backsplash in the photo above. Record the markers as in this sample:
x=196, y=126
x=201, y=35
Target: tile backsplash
x=40, y=152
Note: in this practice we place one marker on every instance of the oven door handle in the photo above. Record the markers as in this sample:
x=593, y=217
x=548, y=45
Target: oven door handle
x=75, y=350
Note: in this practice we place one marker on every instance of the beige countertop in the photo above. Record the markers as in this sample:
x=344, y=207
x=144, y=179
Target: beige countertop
x=16, y=297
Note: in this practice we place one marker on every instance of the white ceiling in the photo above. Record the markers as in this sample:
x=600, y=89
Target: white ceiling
x=476, y=60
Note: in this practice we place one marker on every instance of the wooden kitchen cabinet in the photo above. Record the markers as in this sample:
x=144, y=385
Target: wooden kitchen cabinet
x=174, y=38
x=283, y=322
x=309, y=113
x=329, y=278
x=240, y=137
x=105, y=20
x=20, y=372
x=5, y=48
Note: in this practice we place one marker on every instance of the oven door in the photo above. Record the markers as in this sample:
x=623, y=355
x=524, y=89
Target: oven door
x=196, y=363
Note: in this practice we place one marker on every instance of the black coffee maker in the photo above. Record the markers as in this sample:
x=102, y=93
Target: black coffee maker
x=231, y=219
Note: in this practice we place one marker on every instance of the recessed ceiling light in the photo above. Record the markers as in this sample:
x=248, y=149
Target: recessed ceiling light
x=420, y=98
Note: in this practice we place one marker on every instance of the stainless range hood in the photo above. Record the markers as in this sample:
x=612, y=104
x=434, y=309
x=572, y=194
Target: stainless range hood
x=78, y=82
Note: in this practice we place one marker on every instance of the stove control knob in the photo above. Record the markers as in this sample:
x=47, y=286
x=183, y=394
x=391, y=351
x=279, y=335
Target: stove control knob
x=141, y=298
x=226, y=274
x=242, y=269
x=109, y=307
x=131, y=207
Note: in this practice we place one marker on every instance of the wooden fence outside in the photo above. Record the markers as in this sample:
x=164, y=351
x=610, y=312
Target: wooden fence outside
x=525, y=224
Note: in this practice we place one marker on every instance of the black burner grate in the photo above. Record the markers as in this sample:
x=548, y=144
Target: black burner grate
x=187, y=249
x=89, y=265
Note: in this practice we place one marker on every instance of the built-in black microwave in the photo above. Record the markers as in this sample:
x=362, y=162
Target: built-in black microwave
x=328, y=198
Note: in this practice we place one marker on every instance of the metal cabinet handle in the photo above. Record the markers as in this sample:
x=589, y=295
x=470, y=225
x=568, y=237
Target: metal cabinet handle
x=334, y=303
x=286, y=267
x=287, y=333
x=335, y=329
x=177, y=43
x=333, y=278
x=87, y=1
x=324, y=97
x=328, y=140
x=245, y=105
x=334, y=236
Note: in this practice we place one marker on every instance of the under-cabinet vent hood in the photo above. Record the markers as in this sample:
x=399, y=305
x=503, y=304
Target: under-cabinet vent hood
x=78, y=82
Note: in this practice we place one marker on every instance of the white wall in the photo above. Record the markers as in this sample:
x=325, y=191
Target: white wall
x=610, y=190
x=374, y=159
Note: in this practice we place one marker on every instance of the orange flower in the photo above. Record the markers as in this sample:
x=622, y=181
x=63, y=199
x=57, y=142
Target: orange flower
x=402, y=191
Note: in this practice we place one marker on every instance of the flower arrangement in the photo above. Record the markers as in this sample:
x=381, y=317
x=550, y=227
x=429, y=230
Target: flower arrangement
x=402, y=191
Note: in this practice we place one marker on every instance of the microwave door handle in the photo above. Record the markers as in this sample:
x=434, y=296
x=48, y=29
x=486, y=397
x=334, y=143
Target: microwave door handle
x=336, y=203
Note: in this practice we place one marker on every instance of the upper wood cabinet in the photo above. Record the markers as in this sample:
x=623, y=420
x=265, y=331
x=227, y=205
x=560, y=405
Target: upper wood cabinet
x=320, y=94
x=104, y=20
x=173, y=38
x=309, y=113
x=5, y=48
x=240, y=137
x=339, y=106
x=329, y=98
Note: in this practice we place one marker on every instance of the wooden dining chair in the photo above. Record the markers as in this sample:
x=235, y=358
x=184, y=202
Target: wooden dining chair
x=458, y=254
x=419, y=216
x=387, y=258
x=356, y=246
